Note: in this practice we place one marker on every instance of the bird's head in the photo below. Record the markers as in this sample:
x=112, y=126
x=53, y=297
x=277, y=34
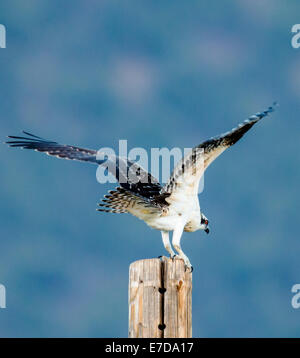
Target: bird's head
x=204, y=223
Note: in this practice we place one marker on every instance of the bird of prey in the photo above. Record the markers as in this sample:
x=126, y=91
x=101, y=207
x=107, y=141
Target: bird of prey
x=173, y=207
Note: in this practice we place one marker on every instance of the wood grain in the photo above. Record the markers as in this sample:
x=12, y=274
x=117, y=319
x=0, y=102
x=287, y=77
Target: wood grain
x=177, y=299
x=145, y=300
x=160, y=299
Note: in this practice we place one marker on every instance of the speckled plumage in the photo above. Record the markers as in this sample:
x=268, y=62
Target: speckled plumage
x=172, y=207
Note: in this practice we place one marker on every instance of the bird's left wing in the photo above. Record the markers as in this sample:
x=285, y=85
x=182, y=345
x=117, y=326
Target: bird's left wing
x=187, y=174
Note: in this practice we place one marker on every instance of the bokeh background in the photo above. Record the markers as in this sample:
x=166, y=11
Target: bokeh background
x=159, y=74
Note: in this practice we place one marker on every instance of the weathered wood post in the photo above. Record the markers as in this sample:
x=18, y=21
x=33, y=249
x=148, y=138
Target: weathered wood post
x=160, y=299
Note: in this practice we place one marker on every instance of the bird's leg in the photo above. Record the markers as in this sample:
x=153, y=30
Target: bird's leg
x=166, y=242
x=176, y=244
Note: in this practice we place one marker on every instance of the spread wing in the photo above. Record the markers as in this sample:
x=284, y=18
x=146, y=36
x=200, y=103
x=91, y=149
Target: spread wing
x=132, y=177
x=53, y=148
x=188, y=172
x=124, y=201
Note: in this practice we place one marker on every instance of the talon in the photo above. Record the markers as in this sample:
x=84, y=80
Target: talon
x=159, y=257
x=191, y=268
x=173, y=257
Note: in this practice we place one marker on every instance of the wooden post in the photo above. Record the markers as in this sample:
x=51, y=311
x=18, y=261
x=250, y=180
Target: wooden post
x=160, y=299
x=145, y=299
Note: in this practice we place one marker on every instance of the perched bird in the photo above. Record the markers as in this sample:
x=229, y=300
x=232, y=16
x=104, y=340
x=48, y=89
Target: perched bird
x=172, y=207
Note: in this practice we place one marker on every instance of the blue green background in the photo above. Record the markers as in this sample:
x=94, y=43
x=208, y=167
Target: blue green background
x=159, y=74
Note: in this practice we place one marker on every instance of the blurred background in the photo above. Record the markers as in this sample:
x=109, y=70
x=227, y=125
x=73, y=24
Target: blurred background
x=159, y=74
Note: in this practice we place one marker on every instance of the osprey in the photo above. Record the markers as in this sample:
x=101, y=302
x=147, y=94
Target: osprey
x=172, y=207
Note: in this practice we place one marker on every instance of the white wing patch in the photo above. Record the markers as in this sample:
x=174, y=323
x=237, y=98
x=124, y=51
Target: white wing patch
x=187, y=174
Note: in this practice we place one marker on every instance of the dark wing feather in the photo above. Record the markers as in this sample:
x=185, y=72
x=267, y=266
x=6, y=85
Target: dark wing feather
x=52, y=148
x=124, y=201
x=226, y=140
x=131, y=176
x=138, y=180
x=197, y=161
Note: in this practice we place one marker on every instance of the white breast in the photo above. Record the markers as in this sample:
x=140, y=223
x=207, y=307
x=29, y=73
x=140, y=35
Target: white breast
x=182, y=207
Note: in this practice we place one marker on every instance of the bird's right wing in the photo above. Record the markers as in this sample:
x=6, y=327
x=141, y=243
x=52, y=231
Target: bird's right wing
x=130, y=175
x=124, y=201
x=62, y=151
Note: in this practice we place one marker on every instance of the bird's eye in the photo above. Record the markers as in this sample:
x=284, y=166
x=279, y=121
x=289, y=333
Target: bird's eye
x=204, y=221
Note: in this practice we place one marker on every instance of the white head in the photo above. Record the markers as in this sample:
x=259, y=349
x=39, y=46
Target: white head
x=204, y=223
